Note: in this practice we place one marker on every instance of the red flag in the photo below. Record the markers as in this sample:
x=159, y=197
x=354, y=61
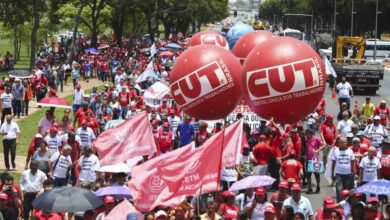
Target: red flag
x=182, y=172
x=233, y=143
x=132, y=138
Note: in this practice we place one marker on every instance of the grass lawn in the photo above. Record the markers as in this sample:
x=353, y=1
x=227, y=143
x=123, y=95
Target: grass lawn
x=23, y=63
x=29, y=126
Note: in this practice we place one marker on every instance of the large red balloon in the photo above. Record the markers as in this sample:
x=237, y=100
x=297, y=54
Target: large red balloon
x=205, y=82
x=209, y=37
x=250, y=40
x=284, y=79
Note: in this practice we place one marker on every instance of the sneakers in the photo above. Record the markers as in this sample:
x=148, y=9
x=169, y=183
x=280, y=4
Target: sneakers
x=318, y=190
x=309, y=191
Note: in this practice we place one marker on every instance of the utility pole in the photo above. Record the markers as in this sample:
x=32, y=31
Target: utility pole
x=376, y=28
x=352, y=12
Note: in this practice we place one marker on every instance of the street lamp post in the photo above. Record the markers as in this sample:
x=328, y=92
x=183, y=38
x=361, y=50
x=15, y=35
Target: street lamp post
x=352, y=19
x=376, y=28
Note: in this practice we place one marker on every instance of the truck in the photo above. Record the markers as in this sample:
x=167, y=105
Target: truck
x=364, y=76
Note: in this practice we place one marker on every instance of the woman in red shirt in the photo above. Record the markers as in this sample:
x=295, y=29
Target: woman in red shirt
x=228, y=208
x=201, y=135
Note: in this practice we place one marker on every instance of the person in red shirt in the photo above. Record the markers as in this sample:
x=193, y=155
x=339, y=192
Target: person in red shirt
x=277, y=198
x=201, y=135
x=81, y=113
x=155, y=128
x=124, y=100
x=296, y=140
x=164, y=138
x=163, y=109
x=325, y=213
x=291, y=168
x=35, y=144
x=328, y=134
x=383, y=112
x=92, y=123
x=217, y=128
x=228, y=208
x=261, y=153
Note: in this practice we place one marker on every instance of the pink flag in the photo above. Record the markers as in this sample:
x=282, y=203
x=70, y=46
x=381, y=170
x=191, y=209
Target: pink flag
x=182, y=172
x=132, y=138
x=233, y=143
x=120, y=211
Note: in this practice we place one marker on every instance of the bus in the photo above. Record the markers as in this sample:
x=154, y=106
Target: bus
x=382, y=49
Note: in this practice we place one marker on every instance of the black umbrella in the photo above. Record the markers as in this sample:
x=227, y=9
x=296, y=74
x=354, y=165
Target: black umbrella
x=20, y=74
x=64, y=199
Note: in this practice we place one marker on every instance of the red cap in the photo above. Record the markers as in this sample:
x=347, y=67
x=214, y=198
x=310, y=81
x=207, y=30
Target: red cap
x=283, y=184
x=285, y=135
x=109, y=199
x=154, y=122
x=329, y=116
x=260, y=191
x=262, y=136
x=329, y=202
x=287, y=128
x=84, y=122
x=172, y=111
x=55, y=124
x=78, y=86
x=228, y=193
x=70, y=128
x=295, y=187
x=290, y=145
x=166, y=124
x=255, y=132
x=270, y=209
x=152, y=109
x=372, y=200
x=53, y=129
x=344, y=193
x=246, y=146
x=3, y=196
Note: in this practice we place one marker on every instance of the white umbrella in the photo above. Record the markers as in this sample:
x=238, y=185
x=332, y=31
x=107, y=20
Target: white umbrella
x=121, y=167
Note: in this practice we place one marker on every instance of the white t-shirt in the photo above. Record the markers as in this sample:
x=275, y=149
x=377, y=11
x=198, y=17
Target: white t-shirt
x=86, y=136
x=343, y=89
x=62, y=165
x=44, y=125
x=54, y=143
x=258, y=211
x=64, y=138
x=344, y=126
x=7, y=99
x=173, y=124
x=343, y=160
x=88, y=166
x=370, y=168
x=78, y=97
x=377, y=133
x=12, y=129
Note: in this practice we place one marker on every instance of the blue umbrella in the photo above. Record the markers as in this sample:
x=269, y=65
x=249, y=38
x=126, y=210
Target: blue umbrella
x=173, y=46
x=119, y=192
x=162, y=49
x=252, y=182
x=92, y=50
x=377, y=187
x=237, y=31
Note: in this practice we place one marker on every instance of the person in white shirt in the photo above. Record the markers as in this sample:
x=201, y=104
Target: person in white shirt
x=31, y=183
x=11, y=135
x=89, y=166
x=77, y=98
x=343, y=167
x=299, y=203
x=53, y=141
x=174, y=121
x=255, y=209
x=59, y=166
x=86, y=134
x=6, y=103
x=370, y=166
x=345, y=92
x=344, y=126
x=376, y=133
x=45, y=123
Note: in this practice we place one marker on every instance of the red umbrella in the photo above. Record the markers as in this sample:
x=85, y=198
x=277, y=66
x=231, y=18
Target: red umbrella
x=166, y=53
x=103, y=46
x=54, y=102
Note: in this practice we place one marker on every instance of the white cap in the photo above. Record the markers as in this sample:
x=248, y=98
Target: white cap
x=349, y=135
x=160, y=213
x=86, y=96
x=376, y=117
x=38, y=136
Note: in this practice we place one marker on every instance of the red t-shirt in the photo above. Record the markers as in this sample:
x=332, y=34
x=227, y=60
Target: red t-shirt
x=201, y=137
x=291, y=169
x=329, y=132
x=32, y=147
x=93, y=124
x=124, y=98
x=383, y=113
x=51, y=216
x=81, y=114
x=164, y=140
x=262, y=153
x=230, y=212
x=385, y=162
x=76, y=149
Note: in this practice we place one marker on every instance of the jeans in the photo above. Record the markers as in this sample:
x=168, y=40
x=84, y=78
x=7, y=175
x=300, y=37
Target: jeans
x=27, y=204
x=76, y=107
x=25, y=107
x=6, y=111
x=124, y=110
x=273, y=169
x=58, y=182
x=18, y=108
x=9, y=146
x=60, y=82
x=345, y=181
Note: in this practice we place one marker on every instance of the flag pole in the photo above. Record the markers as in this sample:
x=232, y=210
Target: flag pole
x=198, y=200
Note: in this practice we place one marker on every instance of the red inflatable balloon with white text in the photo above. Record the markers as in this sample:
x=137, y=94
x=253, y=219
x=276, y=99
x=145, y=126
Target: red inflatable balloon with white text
x=205, y=82
x=250, y=40
x=283, y=78
x=209, y=37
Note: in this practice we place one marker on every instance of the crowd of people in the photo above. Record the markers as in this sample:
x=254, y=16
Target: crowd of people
x=352, y=144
